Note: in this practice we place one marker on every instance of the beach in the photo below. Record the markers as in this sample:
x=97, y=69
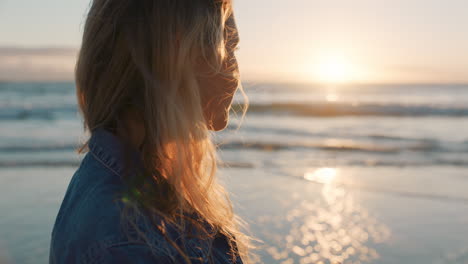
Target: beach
x=359, y=174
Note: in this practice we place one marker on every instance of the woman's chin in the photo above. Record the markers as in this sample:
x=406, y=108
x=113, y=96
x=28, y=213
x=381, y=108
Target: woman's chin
x=219, y=124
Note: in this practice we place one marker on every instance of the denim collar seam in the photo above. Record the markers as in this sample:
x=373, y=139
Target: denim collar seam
x=99, y=157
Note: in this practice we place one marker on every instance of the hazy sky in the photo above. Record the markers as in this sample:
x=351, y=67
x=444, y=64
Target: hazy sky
x=300, y=40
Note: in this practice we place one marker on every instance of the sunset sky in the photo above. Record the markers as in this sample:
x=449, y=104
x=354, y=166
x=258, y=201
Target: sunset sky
x=296, y=40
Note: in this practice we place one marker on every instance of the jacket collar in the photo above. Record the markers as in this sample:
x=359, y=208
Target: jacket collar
x=111, y=151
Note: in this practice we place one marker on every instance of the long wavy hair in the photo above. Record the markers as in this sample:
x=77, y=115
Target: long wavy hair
x=142, y=55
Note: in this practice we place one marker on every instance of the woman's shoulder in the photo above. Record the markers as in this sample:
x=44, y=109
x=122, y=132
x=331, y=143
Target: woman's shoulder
x=89, y=227
x=88, y=223
x=90, y=193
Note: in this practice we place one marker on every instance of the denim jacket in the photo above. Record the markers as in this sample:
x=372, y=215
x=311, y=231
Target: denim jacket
x=87, y=227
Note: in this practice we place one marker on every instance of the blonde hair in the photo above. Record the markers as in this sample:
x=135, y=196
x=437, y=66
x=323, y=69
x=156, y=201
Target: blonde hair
x=141, y=54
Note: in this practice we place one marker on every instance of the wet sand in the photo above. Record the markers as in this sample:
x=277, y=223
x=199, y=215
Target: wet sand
x=344, y=215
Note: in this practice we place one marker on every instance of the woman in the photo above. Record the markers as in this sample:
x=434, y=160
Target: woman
x=153, y=77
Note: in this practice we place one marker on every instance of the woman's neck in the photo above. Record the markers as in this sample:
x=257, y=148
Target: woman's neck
x=134, y=128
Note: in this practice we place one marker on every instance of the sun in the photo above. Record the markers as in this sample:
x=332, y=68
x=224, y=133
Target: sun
x=333, y=69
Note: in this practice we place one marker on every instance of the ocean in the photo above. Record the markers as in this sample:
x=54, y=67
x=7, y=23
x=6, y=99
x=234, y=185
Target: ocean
x=321, y=173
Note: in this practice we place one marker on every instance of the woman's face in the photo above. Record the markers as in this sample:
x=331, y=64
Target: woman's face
x=217, y=90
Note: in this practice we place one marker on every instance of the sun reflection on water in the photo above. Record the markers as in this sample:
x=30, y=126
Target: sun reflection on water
x=333, y=229
x=322, y=175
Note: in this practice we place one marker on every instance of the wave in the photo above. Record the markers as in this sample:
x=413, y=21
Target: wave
x=39, y=88
x=341, y=145
x=39, y=113
x=395, y=192
x=76, y=163
x=324, y=145
x=336, y=109
x=40, y=163
x=253, y=165
x=39, y=148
